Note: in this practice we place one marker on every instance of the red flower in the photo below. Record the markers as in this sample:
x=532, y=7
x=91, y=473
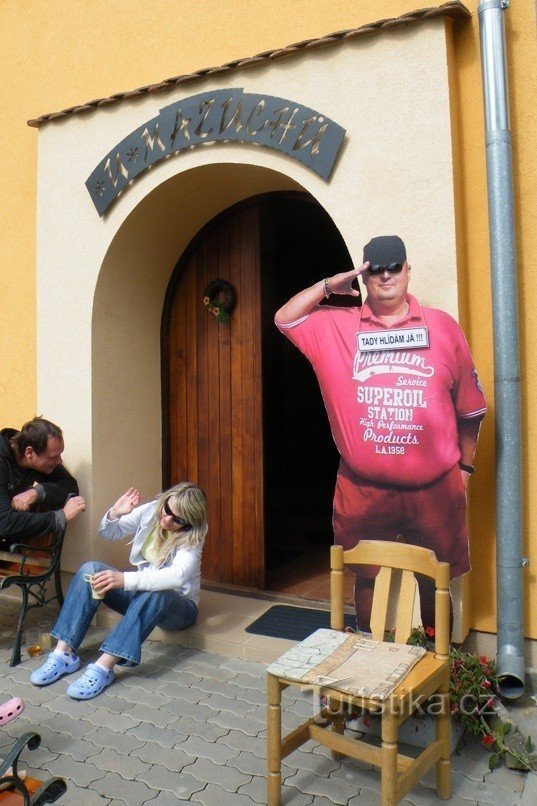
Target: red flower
x=429, y=632
x=486, y=684
x=483, y=660
x=487, y=740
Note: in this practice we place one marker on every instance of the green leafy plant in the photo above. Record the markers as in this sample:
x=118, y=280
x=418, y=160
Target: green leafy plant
x=474, y=693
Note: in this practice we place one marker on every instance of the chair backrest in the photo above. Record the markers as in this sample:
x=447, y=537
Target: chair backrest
x=398, y=563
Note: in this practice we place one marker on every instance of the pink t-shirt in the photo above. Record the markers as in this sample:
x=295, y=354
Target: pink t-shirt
x=393, y=411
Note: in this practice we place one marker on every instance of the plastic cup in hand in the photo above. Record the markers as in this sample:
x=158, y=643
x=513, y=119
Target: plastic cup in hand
x=94, y=593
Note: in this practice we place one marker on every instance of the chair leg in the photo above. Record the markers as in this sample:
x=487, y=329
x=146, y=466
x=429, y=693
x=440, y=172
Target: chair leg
x=58, y=585
x=337, y=722
x=443, y=734
x=274, y=743
x=388, y=773
x=16, y=654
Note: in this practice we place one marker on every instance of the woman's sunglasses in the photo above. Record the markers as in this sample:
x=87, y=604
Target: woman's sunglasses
x=392, y=268
x=178, y=521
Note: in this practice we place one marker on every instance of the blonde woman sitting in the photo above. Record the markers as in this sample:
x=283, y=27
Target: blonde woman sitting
x=163, y=590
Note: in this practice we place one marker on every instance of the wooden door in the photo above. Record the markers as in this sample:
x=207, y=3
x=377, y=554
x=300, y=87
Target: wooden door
x=214, y=395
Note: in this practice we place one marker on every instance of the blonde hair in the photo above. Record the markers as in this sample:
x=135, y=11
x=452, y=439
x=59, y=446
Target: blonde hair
x=190, y=504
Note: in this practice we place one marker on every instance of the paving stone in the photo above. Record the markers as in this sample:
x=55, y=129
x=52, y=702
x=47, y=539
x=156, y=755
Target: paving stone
x=229, y=721
x=227, y=690
x=468, y=766
x=248, y=695
x=146, y=682
x=214, y=795
x=209, y=730
x=166, y=737
x=227, y=777
x=236, y=739
x=76, y=728
x=216, y=751
x=164, y=799
x=81, y=773
x=158, y=717
x=173, y=759
x=506, y=779
x=336, y=791
x=158, y=778
x=184, y=787
x=257, y=791
x=137, y=696
x=219, y=703
x=179, y=693
x=309, y=761
x=133, y=793
x=245, y=680
x=197, y=657
x=422, y=796
x=250, y=763
x=210, y=672
x=529, y=797
x=110, y=760
x=75, y=709
x=250, y=668
x=483, y=793
x=83, y=796
x=119, y=722
x=79, y=749
x=198, y=711
x=122, y=742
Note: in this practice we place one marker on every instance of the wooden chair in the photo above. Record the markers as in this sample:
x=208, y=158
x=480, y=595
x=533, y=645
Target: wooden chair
x=399, y=773
x=30, y=567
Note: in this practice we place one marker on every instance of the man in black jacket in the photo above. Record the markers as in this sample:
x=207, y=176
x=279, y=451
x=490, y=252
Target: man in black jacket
x=31, y=475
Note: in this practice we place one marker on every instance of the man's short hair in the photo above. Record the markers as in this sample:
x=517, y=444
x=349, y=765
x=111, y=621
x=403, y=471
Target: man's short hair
x=35, y=434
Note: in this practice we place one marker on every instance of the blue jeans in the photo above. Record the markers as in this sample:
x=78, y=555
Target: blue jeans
x=141, y=611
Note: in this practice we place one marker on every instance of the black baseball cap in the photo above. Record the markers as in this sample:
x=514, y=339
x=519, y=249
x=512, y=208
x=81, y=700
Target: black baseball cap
x=384, y=249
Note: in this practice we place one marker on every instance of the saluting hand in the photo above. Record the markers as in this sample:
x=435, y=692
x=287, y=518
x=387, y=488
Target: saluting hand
x=342, y=283
x=125, y=503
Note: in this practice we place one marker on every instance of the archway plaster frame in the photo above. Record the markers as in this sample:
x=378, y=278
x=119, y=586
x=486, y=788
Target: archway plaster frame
x=101, y=281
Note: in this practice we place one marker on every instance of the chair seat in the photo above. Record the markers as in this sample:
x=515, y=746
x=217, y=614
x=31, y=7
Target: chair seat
x=418, y=684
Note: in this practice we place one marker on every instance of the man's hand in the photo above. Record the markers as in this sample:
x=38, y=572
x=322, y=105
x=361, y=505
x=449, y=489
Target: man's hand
x=74, y=507
x=104, y=581
x=342, y=283
x=23, y=501
x=125, y=504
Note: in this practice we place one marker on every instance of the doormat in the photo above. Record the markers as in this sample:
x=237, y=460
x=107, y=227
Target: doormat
x=294, y=623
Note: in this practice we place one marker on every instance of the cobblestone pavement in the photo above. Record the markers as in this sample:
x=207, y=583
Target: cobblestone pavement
x=189, y=727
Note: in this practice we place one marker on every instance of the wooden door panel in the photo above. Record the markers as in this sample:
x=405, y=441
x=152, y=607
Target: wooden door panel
x=215, y=417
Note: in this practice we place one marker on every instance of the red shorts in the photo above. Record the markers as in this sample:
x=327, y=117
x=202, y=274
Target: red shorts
x=433, y=516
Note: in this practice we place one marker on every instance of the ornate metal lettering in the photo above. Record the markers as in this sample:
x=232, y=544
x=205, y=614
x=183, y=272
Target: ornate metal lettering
x=218, y=117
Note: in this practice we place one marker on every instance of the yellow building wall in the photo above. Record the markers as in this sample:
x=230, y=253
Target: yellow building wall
x=59, y=54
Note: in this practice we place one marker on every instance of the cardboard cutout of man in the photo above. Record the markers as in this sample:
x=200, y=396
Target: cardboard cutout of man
x=405, y=406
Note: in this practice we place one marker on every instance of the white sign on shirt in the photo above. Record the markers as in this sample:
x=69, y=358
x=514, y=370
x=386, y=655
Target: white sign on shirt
x=409, y=338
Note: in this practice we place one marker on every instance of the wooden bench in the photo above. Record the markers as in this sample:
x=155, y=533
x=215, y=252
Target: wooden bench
x=30, y=567
x=14, y=790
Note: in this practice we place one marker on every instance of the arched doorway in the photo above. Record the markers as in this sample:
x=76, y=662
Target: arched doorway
x=243, y=415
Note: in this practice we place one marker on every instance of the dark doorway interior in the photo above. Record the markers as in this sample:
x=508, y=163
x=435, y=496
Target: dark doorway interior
x=299, y=245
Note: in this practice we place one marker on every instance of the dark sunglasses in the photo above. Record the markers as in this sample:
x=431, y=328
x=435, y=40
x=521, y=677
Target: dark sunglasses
x=178, y=521
x=392, y=268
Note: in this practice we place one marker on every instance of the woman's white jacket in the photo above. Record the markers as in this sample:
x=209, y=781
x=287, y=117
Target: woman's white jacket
x=181, y=571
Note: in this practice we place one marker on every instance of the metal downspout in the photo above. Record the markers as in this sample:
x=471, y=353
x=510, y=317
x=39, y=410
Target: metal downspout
x=510, y=653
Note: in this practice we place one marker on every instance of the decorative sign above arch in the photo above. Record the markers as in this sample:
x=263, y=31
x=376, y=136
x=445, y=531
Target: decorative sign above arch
x=219, y=116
